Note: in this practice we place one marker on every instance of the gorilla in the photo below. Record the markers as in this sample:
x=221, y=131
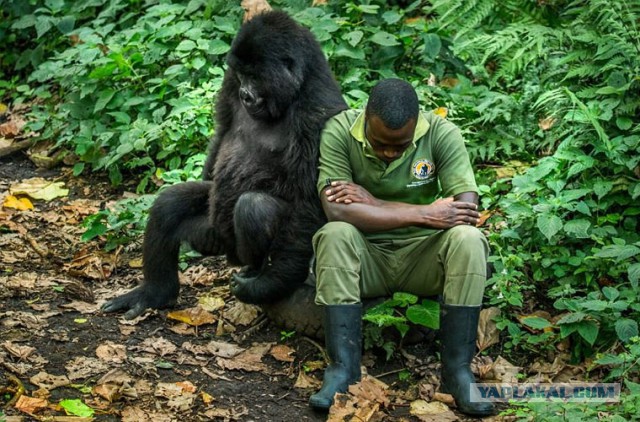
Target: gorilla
x=258, y=202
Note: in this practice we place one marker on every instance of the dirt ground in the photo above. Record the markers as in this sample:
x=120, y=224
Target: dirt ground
x=225, y=361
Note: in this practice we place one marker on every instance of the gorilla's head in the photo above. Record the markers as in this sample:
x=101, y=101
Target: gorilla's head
x=270, y=58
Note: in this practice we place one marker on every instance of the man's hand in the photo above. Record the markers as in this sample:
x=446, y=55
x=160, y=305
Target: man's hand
x=446, y=213
x=349, y=192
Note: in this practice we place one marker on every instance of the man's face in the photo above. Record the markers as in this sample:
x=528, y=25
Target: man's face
x=388, y=144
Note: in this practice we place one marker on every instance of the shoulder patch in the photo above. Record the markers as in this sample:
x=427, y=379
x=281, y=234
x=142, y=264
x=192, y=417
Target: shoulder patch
x=422, y=169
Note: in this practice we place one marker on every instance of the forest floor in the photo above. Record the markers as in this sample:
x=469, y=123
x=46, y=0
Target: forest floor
x=217, y=359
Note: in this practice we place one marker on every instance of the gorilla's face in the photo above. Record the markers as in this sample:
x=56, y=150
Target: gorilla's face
x=267, y=88
x=268, y=65
x=250, y=97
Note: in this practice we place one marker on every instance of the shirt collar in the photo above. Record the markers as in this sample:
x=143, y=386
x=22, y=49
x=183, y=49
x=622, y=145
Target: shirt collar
x=357, y=129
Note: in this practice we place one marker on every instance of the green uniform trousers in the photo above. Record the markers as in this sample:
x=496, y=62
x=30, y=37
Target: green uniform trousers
x=349, y=266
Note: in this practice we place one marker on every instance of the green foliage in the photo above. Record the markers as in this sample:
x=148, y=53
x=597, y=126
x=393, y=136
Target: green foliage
x=547, y=90
x=568, y=225
x=626, y=410
x=122, y=224
x=126, y=88
x=77, y=408
x=398, y=312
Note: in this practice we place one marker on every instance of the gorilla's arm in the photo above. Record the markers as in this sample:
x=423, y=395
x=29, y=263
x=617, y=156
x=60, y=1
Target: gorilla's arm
x=224, y=119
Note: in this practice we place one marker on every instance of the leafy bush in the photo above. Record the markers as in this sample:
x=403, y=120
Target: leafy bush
x=546, y=93
x=132, y=86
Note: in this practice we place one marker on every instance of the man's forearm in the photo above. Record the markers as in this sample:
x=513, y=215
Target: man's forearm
x=375, y=218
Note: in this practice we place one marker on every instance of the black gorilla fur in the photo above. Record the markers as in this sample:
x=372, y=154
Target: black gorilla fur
x=258, y=202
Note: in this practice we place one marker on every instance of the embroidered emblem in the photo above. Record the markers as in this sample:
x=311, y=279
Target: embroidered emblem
x=422, y=169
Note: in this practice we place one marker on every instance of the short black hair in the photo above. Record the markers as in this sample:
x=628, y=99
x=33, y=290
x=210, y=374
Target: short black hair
x=394, y=101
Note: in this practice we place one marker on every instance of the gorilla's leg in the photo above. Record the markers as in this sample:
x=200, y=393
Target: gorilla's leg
x=256, y=219
x=180, y=214
x=280, y=249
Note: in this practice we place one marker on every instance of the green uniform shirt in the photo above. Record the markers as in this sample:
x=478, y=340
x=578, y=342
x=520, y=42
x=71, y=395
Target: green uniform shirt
x=435, y=165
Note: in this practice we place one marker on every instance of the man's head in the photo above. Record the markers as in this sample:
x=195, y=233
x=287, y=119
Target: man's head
x=390, y=118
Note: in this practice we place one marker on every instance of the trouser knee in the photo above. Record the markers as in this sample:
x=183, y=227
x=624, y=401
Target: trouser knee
x=335, y=234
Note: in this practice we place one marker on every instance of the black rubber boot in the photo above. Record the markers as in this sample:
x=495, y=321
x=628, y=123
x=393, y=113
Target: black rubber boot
x=343, y=340
x=458, y=330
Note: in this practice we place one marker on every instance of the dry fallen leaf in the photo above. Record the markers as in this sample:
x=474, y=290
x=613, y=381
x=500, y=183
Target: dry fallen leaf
x=241, y=313
x=48, y=381
x=30, y=405
x=39, y=188
x=371, y=389
x=111, y=352
x=195, y=316
x=249, y=360
x=20, y=204
x=505, y=371
x=441, y=111
x=211, y=303
x=488, y=333
x=546, y=123
x=432, y=411
x=187, y=386
x=207, y=398
x=21, y=352
x=82, y=367
x=282, y=353
x=305, y=381
x=253, y=8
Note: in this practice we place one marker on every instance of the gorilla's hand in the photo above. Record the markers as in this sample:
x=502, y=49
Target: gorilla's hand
x=140, y=299
x=253, y=287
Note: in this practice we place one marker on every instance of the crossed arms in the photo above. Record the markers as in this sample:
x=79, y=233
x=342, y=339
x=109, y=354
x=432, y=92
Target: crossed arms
x=351, y=203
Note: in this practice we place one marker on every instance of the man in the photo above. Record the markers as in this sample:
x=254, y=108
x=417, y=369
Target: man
x=381, y=172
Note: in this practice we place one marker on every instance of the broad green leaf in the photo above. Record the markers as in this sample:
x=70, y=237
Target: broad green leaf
x=103, y=99
x=588, y=330
x=24, y=22
x=573, y=194
x=426, y=314
x=66, y=24
x=610, y=360
x=391, y=17
x=218, y=47
x=624, y=123
x=384, y=38
x=174, y=69
x=568, y=329
x=610, y=293
x=571, y=318
x=537, y=323
x=77, y=408
x=578, y=228
x=583, y=208
x=432, y=45
x=594, y=305
x=619, y=252
x=634, y=388
x=549, y=225
x=103, y=71
x=186, y=45
x=634, y=274
x=43, y=25
x=345, y=50
x=405, y=299
x=353, y=38
x=601, y=188
x=626, y=328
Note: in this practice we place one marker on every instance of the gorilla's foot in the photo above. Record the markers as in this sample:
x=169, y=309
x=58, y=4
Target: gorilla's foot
x=139, y=300
x=255, y=287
